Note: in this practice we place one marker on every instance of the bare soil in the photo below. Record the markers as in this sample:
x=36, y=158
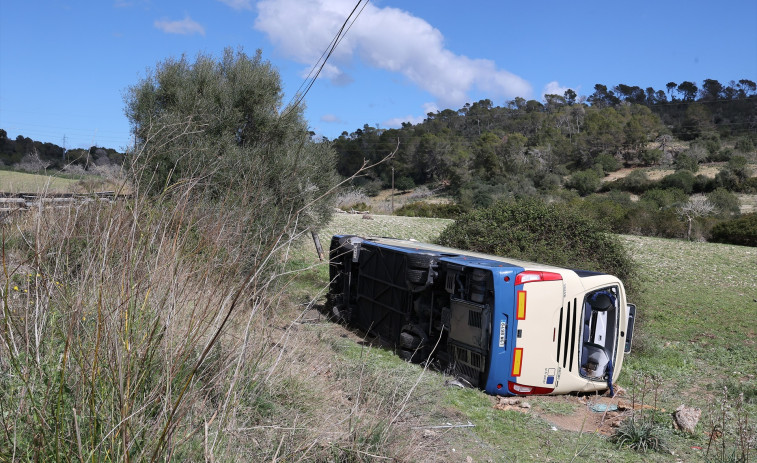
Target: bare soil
x=591, y=413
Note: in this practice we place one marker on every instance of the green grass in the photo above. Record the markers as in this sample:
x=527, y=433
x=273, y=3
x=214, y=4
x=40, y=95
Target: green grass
x=22, y=182
x=696, y=333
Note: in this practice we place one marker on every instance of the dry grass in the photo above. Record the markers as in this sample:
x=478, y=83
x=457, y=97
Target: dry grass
x=141, y=330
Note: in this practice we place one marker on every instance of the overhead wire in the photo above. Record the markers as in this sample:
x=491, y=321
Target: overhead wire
x=310, y=78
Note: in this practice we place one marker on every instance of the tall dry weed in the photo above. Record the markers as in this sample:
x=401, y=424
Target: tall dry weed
x=161, y=329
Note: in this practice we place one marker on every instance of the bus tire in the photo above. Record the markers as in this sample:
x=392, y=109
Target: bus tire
x=421, y=261
x=409, y=341
x=417, y=277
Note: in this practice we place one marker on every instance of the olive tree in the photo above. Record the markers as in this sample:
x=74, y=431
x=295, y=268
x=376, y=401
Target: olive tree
x=220, y=127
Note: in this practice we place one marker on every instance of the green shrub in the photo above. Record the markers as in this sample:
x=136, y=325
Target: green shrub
x=555, y=234
x=585, y=182
x=664, y=198
x=404, y=184
x=650, y=157
x=373, y=187
x=683, y=180
x=608, y=211
x=685, y=162
x=721, y=156
x=726, y=203
x=742, y=230
x=423, y=209
x=608, y=162
x=636, y=182
x=647, y=219
x=744, y=145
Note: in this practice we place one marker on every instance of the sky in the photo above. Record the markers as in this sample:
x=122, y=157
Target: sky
x=65, y=65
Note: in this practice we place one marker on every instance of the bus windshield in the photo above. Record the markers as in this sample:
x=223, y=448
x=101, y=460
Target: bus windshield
x=600, y=331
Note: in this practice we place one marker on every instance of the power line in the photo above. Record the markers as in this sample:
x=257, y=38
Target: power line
x=309, y=81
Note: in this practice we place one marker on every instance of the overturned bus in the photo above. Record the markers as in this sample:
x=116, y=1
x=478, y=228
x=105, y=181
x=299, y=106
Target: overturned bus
x=507, y=326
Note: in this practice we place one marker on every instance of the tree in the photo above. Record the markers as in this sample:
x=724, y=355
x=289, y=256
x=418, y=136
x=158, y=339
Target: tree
x=220, y=126
x=570, y=96
x=711, y=90
x=696, y=206
x=602, y=97
x=688, y=90
x=746, y=88
x=671, y=86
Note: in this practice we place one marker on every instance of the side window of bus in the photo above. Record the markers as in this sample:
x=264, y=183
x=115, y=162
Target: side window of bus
x=599, y=332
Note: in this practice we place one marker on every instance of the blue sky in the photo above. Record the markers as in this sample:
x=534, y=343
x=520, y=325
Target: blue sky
x=65, y=64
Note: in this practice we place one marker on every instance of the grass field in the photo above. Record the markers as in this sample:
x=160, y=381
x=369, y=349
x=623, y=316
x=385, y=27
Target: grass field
x=22, y=182
x=696, y=338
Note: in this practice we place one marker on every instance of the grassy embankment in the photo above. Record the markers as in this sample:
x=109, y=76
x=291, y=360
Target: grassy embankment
x=696, y=335
x=108, y=309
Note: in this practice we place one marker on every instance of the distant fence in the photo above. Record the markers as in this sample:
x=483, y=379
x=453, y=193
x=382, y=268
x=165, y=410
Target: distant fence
x=11, y=203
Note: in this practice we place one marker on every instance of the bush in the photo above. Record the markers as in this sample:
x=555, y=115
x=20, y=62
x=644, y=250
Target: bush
x=423, y=209
x=683, y=180
x=555, y=234
x=585, y=182
x=372, y=188
x=742, y=230
x=404, y=184
x=721, y=156
x=608, y=162
x=608, y=211
x=685, y=162
x=744, y=145
x=726, y=203
x=636, y=182
x=650, y=157
x=221, y=125
x=664, y=198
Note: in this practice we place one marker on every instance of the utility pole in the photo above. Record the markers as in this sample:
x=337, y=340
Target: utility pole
x=392, y=190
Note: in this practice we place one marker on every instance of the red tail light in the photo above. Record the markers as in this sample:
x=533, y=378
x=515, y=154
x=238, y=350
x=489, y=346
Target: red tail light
x=522, y=389
x=530, y=276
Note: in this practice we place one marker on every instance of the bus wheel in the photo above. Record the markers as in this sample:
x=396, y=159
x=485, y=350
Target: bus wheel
x=409, y=341
x=415, y=276
x=422, y=261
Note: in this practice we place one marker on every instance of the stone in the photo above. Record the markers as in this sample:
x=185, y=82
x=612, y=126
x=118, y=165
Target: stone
x=686, y=418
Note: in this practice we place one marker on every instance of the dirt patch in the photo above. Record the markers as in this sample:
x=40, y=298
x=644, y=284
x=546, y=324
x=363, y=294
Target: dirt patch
x=657, y=173
x=601, y=414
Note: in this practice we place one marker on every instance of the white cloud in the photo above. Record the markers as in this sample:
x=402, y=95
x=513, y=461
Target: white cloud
x=331, y=119
x=396, y=122
x=385, y=38
x=238, y=4
x=553, y=88
x=186, y=26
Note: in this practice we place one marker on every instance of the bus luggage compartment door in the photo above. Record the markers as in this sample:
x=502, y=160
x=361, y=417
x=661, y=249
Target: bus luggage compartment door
x=469, y=338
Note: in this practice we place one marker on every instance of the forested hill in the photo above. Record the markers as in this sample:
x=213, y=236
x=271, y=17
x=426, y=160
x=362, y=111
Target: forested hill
x=529, y=145
x=28, y=154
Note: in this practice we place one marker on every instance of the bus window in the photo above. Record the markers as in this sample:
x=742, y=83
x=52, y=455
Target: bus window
x=600, y=326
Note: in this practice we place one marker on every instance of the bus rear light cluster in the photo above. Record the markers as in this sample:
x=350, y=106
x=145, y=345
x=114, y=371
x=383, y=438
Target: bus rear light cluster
x=522, y=389
x=530, y=276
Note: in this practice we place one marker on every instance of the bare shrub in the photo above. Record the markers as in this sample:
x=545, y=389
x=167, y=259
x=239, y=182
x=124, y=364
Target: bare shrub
x=349, y=197
x=31, y=162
